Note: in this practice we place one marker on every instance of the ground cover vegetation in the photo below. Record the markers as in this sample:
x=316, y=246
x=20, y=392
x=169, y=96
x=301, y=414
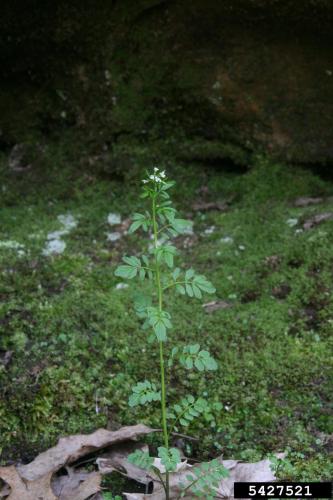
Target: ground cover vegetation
x=71, y=350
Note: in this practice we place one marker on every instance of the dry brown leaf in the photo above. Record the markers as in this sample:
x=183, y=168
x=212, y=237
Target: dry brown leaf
x=71, y=448
x=304, y=201
x=24, y=489
x=77, y=485
x=215, y=305
x=33, y=481
x=116, y=460
x=317, y=219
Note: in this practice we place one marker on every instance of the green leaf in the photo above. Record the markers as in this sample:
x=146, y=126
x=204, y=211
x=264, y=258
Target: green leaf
x=130, y=270
x=199, y=364
x=141, y=459
x=176, y=273
x=202, y=283
x=207, y=477
x=167, y=185
x=194, y=348
x=180, y=289
x=132, y=261
x=170, y=458
x=180, y=225
x=188, y=409
x=138, y=221
x=127, y=272
x=142, y=274
x=160, y=321
x=142, y=393
x=192, y=356
x=197, y=292
x=189, y=274
x=160, y=330
x=141, y=302
x=166, y=253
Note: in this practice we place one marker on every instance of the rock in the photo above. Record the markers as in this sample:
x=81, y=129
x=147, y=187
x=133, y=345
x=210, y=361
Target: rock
x=238, y=75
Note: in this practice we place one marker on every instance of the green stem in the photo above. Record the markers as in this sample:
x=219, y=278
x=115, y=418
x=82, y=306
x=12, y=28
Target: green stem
x=174, y=284
x=162, y=367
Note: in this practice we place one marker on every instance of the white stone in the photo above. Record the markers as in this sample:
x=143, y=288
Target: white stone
x=114, y=219
x=68, y=221
x=113, y=236
x=209, y=230
x=54, y=247
x=227, y=239
x=55, y=235
x=121, y=286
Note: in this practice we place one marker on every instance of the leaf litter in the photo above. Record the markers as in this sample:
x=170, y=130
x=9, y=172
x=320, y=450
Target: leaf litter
x=59, y=474
x=39, y=478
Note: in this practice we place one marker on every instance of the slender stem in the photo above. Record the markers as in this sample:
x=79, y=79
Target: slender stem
x=163, y=228
x=162, y=367
x=174, y=284
x=157, y=472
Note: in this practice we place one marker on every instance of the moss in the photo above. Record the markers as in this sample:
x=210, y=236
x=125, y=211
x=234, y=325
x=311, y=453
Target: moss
x=147, y=71
x=75, y=339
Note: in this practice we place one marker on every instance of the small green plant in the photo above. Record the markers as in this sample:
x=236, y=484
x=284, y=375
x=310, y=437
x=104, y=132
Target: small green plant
x=161, y=221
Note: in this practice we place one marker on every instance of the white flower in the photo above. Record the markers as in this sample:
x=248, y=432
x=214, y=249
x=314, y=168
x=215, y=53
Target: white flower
x=155, y=178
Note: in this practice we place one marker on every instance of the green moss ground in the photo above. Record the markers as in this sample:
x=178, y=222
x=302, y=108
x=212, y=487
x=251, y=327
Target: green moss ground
x=74, y=336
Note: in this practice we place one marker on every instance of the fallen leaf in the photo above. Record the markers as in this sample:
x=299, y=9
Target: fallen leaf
x=24, y=488
x=37, y=480
x=215, y=305
x=317, y=219
x=304, y=201
x=116, y=460
x=77, y=485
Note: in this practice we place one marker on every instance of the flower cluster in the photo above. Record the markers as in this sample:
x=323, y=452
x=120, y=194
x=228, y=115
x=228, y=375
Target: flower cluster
x=157, y=176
